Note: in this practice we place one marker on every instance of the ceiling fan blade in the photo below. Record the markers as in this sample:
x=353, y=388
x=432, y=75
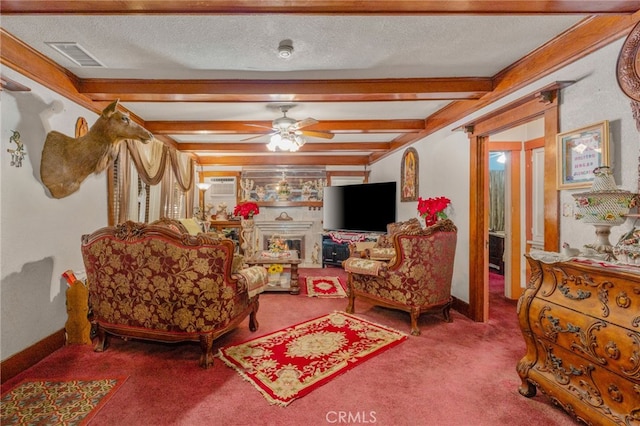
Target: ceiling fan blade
x=317, y=134
x=256, y=137
x=304, y=123
x=259, y=125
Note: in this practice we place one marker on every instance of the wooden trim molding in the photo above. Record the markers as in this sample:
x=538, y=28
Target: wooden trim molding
x=343, y=7
x=19, y=362
x=461, y=306
x=533, y=107
x=478, y=228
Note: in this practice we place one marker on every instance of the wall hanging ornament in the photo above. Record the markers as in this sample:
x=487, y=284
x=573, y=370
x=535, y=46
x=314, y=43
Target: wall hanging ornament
x=409, y=175
x=66, y=161
x=18, y=154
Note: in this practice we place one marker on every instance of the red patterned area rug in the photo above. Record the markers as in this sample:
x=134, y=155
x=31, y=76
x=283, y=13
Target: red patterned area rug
x=325, y=287
x=56, y=402
x=290, y=363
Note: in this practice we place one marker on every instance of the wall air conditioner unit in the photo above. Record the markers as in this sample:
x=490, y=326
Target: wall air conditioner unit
x=222, y=187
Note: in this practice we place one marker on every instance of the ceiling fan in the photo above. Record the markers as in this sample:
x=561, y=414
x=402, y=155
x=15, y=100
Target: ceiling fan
x=286, y=126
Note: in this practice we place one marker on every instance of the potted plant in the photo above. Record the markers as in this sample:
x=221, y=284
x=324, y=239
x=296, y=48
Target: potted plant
x=433, y=209
x=246, y=209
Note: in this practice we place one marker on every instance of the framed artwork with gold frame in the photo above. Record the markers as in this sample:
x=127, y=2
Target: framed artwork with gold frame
x=580, y=151
x=409, y=175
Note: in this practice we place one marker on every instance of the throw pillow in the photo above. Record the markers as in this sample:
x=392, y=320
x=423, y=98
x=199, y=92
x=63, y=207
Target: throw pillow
x=192, y=226
x=237, y=264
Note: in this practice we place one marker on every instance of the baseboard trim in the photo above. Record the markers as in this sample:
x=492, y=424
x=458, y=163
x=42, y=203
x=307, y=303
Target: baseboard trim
x=462, y=307
x=19, y=362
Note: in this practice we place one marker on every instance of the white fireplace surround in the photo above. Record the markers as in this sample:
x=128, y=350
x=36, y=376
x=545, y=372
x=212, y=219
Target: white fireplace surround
x=293, y=229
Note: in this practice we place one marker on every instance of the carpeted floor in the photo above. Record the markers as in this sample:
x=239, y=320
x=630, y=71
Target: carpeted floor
x=460, y=373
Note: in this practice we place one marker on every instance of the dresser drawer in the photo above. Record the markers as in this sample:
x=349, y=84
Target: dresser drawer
x=569, y=378
x=611, y=297
x=598, y=342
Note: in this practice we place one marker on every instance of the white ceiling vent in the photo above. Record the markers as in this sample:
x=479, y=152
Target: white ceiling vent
x=76, y=53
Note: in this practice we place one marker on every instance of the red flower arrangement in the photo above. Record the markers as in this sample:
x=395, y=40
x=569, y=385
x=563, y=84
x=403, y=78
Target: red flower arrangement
x=432, y=209
x=246, y=209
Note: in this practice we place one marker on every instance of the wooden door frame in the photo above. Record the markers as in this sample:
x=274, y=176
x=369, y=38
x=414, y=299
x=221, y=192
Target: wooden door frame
x=543, y=103
x=512, y=151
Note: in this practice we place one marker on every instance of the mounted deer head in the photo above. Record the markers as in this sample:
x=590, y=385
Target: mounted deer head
x=66, y=161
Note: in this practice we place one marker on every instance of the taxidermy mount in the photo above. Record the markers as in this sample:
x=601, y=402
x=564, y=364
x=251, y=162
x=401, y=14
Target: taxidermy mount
x=66, y=161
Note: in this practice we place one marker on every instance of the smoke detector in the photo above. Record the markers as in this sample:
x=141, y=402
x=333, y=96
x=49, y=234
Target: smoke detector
x=285, y=49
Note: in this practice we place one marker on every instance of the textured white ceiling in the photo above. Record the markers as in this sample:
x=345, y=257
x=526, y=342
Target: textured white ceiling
x=325, y=47
x=180, y=47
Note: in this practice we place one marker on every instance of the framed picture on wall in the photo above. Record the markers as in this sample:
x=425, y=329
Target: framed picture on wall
x=409, y=175
x=580, y=151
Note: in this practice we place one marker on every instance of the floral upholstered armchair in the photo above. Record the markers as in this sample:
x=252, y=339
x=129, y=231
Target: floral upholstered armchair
x=418, y=277
x=382, y=249
x=156, y=283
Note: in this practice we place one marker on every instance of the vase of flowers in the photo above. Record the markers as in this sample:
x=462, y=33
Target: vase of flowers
x=274, y=272
x=277, y=245
x=246, y=210
x=433, y=209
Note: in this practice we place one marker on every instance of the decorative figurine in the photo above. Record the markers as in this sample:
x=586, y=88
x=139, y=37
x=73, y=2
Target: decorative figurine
x=247, y=186
x=19, y=153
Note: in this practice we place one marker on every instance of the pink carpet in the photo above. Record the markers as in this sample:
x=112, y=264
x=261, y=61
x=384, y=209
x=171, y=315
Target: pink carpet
x=461, y=373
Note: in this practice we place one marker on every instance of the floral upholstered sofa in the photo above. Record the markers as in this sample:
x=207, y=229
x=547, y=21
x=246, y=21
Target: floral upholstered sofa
x=414, y=275
x=156, y=283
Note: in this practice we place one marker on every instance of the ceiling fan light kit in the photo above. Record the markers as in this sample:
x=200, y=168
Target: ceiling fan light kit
x=285, y=141
x=287, y=133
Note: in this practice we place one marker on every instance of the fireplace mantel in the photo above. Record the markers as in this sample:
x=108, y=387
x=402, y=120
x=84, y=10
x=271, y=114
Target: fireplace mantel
x=284, y=226
x=303, y=230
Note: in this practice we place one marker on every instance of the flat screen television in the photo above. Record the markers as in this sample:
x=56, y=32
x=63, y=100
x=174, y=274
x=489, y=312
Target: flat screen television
x=367, y=207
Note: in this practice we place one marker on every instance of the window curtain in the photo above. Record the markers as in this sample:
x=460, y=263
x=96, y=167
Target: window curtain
x=496, y=200
x=150, y=181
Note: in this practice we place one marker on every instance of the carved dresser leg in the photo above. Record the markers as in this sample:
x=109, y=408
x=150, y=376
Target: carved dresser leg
x=527, y=389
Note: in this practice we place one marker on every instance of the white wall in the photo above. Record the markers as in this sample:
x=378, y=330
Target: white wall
x=443, y=166
x=40, y=235
x=593, y=98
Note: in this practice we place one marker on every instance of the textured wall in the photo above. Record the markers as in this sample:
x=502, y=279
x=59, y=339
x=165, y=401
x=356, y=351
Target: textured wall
x=39, y=235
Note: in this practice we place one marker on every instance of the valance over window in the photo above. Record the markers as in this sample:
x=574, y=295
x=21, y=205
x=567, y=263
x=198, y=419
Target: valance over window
x=149, y=181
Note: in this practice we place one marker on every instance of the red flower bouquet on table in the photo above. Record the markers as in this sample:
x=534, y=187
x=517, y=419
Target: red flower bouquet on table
x=432, y=209
x=246, y=209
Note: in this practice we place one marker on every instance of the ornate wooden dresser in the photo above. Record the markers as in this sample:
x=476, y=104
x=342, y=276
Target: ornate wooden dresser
x=581, y=325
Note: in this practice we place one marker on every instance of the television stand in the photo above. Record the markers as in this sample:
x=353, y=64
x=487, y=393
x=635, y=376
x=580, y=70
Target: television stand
x=333, y=253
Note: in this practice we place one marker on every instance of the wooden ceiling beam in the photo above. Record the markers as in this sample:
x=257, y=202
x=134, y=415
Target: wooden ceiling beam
x=281, y=159
x=261, y=147
x=355, y=7
x=264, y=127
x=352, y=90
x=581, y=40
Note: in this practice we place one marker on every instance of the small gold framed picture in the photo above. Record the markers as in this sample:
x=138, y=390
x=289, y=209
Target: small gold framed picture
x=580, y=151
